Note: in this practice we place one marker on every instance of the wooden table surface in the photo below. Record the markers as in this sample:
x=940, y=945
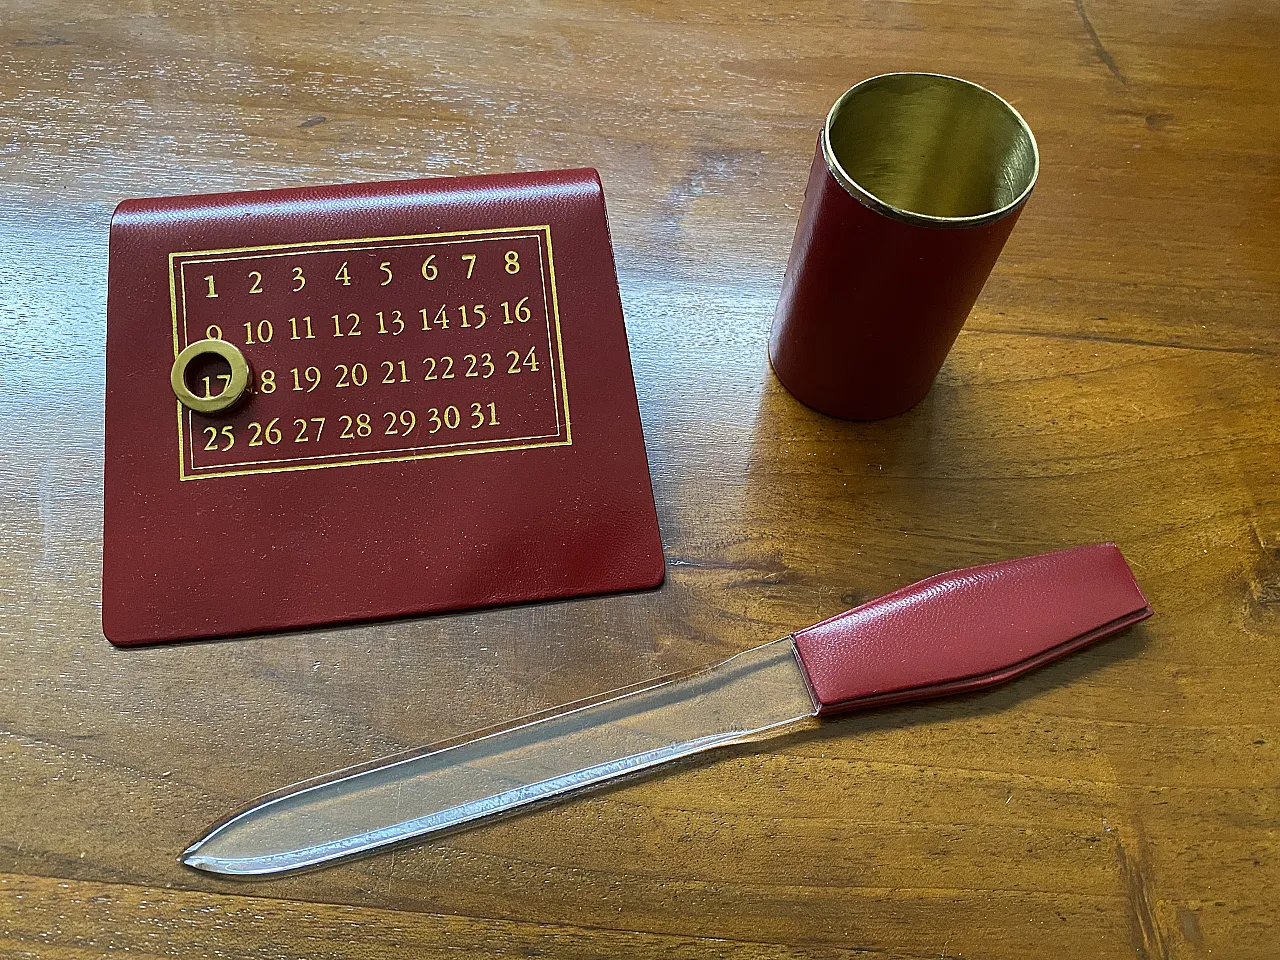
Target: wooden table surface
x=1118, y=380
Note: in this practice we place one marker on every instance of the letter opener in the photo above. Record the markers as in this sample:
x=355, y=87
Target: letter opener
x=952, y=633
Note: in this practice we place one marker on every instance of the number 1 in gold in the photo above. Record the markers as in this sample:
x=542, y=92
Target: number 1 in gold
x=212, y=293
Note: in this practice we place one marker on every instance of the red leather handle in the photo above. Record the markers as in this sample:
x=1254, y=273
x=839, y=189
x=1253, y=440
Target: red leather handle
x=969, y=629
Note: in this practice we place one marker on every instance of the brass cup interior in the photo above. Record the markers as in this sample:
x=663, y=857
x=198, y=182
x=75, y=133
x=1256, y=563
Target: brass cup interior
x=931, y=149
x=230, y=393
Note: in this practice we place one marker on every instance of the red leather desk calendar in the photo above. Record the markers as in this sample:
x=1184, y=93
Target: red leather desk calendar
x=438, y=410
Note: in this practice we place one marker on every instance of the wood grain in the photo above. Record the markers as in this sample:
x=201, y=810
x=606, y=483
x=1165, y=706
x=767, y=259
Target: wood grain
x=1119, y=379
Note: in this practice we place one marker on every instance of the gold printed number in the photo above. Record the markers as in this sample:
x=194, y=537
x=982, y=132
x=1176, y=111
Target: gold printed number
x=389, y=372
x=429, y=271
x=478, y=412
x=256, y=285
x=385, y=267
x=401, y=425
x=431, y=369
x=471, y=263
x=267, y=382
x=361, y=425
x=298, y=279
x=293, y=325
x=476, y=364
x=530, y=360
x=521, y=312
x=213, y=332
x=265, y=332
x=208, y=386
x=476, y=311
x=396, y=322
x=311, y=375
x=271, y=433
x=302, y=429
x=450, y=419
x=354, y=376
x=212, y=294
x=214, y=435
x=343, y=274
x=513, y=261
x=353, y=330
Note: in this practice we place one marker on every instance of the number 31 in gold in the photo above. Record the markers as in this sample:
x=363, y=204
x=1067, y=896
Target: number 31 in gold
x=479, y=414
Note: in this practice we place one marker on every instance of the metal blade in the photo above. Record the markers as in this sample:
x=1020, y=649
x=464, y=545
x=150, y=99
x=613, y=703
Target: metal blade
x=445, y=786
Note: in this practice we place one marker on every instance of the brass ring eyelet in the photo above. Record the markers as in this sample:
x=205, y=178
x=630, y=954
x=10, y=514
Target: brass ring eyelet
x=232, y=392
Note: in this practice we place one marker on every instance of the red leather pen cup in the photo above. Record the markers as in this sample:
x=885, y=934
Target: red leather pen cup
x=916, y=184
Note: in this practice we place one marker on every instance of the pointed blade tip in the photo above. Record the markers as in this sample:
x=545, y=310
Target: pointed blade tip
x=191, y=857
x=211, y=865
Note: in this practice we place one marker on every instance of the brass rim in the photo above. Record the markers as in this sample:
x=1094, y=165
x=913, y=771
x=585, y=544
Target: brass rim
x=930, y=149
x=232, y=392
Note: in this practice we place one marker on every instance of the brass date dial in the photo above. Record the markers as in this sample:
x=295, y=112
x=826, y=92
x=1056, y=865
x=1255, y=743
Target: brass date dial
x=232, y=390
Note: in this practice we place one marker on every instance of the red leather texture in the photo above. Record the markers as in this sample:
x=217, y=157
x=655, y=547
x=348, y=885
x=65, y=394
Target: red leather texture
x=298, y=526
x=871, y=305
x=969, y=629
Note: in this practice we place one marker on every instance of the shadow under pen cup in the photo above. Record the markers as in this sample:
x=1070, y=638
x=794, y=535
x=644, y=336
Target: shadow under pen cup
x=916, y=184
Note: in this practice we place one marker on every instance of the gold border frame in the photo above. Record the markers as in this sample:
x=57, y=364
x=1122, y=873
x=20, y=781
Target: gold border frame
x=538, y=231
